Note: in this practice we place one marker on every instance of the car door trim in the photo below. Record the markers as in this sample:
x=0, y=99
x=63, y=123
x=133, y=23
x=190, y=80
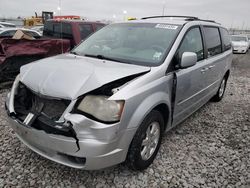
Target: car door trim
x=184, y=100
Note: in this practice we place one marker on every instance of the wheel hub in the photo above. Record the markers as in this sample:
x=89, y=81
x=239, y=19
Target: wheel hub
x=222, y=88
x=150, y=142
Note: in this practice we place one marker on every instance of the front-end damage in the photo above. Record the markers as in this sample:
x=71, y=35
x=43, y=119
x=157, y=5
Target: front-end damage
x=51, y=126
x=41, y=113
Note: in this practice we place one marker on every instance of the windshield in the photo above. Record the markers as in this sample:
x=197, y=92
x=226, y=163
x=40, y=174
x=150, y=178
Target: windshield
x=237, y=38
x=136, y=43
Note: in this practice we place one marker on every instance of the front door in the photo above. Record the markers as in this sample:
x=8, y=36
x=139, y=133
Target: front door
x=191, y=82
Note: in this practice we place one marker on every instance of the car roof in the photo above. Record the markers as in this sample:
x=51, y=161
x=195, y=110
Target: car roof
x=7, y=23
x=37, y=26
x=74, y=21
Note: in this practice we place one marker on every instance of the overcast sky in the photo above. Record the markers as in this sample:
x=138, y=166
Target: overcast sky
x=227, y=12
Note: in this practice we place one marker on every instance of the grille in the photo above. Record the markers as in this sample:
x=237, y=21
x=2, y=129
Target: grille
x=27, y=101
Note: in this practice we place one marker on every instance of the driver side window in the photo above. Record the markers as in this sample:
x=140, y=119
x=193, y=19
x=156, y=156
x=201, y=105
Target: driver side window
x=192, y=42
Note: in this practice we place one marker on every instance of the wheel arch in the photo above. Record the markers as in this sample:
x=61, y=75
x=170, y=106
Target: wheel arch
x=227, y=74
x=159, y=101
x=164, y=109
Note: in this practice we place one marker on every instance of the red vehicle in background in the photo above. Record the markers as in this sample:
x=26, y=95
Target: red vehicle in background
x=59, y=36
x=74, y=30
x=72, y=17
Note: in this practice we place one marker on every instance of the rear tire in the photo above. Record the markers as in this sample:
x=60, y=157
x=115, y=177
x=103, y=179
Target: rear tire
x=146, y=142
x=221, y=91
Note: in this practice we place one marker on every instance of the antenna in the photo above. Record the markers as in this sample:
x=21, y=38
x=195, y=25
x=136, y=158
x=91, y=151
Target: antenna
x=60, y=14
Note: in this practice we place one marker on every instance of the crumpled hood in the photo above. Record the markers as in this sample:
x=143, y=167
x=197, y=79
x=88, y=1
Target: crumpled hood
x=68, y=76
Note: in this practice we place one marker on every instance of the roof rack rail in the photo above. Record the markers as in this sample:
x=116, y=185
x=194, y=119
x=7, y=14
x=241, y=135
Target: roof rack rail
x=212, y=21
x=187, y=17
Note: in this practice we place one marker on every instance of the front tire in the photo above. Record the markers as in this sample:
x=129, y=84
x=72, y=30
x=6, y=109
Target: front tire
x=146, y=142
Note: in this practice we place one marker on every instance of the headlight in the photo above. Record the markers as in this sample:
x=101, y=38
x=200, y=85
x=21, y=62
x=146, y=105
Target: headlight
x=101, y=108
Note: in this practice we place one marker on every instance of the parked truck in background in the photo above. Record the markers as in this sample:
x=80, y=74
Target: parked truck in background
x=57, y=34
x=74, y=30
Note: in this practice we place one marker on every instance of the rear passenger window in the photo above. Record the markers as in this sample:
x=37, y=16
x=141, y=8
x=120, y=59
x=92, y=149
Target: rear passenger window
x=192, y=42
x=58, y=30
x=99, y=26
x=213, y=41
x=226, y=39
x=85, y=30
x=67, y=31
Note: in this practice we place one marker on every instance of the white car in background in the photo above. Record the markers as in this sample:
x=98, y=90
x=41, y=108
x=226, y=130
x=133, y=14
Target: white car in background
x=6, y=24
x=39, y=29
x=248, y=36
x=240, y=43
x=9, y=32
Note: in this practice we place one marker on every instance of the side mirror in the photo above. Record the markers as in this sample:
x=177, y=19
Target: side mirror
x=188, y=59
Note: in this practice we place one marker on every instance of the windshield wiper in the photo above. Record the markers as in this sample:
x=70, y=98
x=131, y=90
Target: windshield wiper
x=103, y=57
x=75, y=53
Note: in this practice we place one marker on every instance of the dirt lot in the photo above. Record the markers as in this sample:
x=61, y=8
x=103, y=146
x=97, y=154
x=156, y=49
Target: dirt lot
x=210, y=149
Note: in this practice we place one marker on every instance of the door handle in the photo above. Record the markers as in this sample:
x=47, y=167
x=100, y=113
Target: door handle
x=204, y=70
x=211, y=66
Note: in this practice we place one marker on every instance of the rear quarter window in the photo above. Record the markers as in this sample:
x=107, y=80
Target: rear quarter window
x=85, y=30
x=226, y=39
x=99, y=26
x=213, y=41
x=67, y=31
x=58, y=30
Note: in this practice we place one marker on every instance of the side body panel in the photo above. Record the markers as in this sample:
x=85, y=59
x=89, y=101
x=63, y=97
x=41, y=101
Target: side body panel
x=198, y=84
x=191, y=90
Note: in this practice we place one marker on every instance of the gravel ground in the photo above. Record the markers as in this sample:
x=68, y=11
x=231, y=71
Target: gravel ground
x=209, y=149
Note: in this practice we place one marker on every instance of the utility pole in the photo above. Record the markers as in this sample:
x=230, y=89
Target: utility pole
x=163, y=8
x=243, y=26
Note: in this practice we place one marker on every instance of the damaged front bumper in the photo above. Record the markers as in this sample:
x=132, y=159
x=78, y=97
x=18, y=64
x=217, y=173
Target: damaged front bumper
x=88, y=145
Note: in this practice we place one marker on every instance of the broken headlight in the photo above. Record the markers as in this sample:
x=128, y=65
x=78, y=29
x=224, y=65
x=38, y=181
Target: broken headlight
x=101, y=108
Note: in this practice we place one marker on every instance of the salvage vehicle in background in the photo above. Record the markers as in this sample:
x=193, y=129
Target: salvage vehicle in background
x=74, y=30
x=39, y=29
x=6, y=24
x=17, y=52
x=111, y=99
x=240, y=43
x=14, y=53
x=10, y=32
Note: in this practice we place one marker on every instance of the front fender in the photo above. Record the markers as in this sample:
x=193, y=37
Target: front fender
x=146, y=106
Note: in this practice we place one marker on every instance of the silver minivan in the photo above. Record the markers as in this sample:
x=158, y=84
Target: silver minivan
x=112, y=98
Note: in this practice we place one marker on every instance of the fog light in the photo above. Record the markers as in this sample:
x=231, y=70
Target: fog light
x=73, y=159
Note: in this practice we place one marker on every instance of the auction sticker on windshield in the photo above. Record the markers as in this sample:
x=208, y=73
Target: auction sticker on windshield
x=165, y=26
